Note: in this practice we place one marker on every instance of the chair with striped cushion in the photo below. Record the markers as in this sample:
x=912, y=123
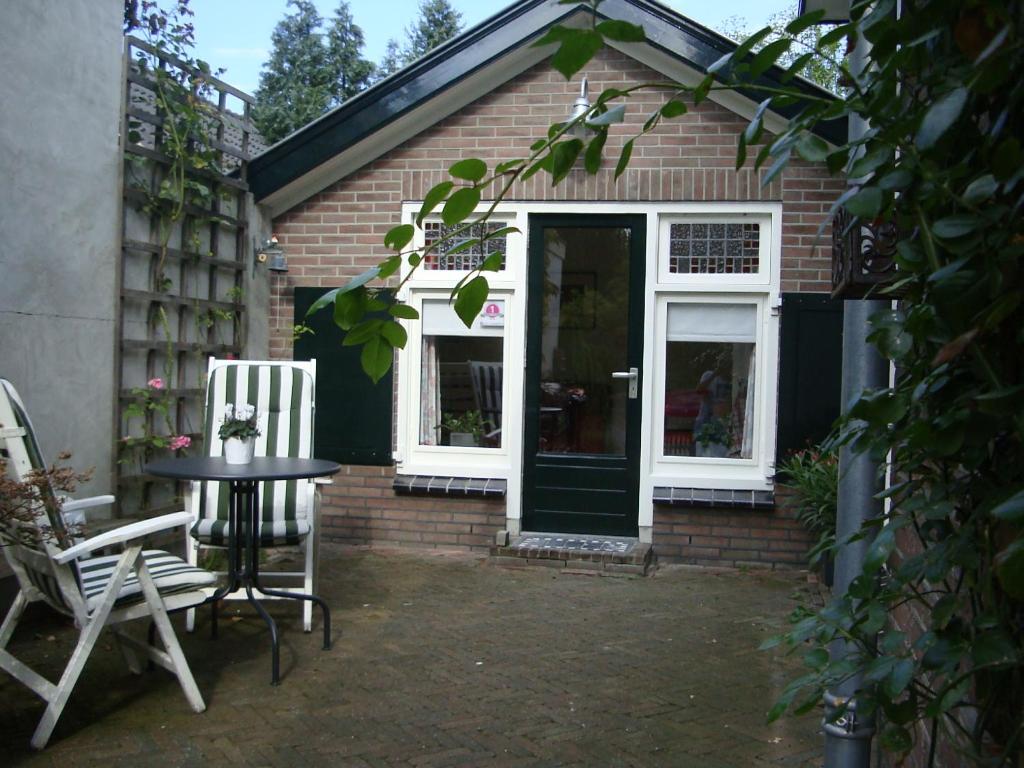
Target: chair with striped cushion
x=283, y=395
x=96, y=592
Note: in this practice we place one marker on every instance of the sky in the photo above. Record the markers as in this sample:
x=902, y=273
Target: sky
x=235, y=34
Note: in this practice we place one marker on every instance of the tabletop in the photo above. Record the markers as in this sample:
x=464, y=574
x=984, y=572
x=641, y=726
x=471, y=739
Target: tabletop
x=260, y=468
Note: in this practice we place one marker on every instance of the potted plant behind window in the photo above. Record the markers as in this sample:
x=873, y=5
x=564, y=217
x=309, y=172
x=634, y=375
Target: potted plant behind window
x=239, y=433
x=712, y=439
x=813, y=476
x=464, y=429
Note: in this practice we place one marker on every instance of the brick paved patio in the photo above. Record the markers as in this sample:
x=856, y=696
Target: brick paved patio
x=450, y=661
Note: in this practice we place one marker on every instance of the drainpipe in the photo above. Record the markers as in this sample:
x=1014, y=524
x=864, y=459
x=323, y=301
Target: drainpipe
x=848, y=740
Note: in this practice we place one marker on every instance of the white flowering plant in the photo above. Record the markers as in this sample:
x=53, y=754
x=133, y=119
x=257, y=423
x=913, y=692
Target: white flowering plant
x=239, y=421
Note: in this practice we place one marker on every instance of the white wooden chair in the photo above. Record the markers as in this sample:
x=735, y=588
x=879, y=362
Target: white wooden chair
x=283, y=393
x=96, y=592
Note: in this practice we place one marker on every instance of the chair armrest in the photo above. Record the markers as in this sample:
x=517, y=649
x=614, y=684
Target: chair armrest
x=323, y=480
x=123, y=534
x=74, y=505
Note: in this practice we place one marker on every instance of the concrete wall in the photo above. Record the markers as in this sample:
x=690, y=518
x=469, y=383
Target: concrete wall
x=59, y=219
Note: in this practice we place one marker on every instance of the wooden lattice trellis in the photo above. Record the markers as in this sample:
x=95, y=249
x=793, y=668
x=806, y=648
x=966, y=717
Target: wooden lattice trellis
x=183, y=302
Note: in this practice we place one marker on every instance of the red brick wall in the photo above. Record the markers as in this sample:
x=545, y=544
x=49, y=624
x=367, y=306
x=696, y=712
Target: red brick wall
x=732, y=537
x=360, y=508
x=339, y=232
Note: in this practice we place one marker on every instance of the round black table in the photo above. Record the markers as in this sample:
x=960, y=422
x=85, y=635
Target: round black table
x=243, y=507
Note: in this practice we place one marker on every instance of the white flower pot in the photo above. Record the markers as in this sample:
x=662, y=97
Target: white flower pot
x=238, y=450
x=462, y=439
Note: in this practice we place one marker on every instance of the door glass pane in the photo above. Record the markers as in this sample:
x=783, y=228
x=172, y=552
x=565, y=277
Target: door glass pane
x=583, y=340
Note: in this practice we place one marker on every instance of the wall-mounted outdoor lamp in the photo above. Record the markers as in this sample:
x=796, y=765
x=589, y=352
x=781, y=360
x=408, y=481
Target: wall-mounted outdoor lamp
x=579, y=108
x=270, y=253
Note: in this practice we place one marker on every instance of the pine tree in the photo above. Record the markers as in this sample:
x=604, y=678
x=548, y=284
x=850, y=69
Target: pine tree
x=392, y=61
x=345, y=47
x=296, y=83
x=438, y=22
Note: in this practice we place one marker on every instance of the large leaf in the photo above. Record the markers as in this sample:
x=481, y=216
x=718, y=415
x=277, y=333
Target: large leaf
x=1010, y=569
x=627, y=152
x=576, y=51
x=460, y=205
x=767, y=57
x=470, y=299
x=940, y=117
x=592, y=157
x=376, y=358
x=398, y=237
x=434, y=196
x=622, y=31
x=470, y=169
x=564, y=155
x=1010, y=509
x=806, y=21
x=866, y=203
x=956, y=226
x=981, y=189
x=812, y=148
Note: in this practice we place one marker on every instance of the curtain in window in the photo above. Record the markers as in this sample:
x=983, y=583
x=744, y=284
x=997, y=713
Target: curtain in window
x=747, y=449
x=430, y=393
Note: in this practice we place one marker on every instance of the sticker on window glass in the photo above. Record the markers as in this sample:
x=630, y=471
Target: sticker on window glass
x=493, y=314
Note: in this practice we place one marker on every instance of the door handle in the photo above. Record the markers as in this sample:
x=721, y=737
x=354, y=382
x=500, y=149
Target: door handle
x=633, y=374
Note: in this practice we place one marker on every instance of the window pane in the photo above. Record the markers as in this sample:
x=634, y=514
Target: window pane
x=460, y=390
x=724, y=249
x=709, y=399
x=471, y=257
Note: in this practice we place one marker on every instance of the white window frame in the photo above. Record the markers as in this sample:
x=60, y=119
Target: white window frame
x=506, y=285
x=760, y=290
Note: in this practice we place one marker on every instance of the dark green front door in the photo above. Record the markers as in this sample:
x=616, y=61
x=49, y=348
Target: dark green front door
x=584, y=352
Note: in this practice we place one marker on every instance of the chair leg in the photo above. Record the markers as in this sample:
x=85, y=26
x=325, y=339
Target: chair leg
x=86, y=640
x=308, y=584
x=129, y=655
x=171, y=645
x=11, y=620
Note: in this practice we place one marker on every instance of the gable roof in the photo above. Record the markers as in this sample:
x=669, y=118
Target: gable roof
x=464, y=69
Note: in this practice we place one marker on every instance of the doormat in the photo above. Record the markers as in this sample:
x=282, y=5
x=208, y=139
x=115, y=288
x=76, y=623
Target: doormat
x=613, y=545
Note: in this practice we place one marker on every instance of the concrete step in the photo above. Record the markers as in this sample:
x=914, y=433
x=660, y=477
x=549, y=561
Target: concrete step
x=576, y=553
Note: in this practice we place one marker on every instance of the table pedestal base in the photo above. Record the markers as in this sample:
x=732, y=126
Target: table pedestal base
x=244, y=573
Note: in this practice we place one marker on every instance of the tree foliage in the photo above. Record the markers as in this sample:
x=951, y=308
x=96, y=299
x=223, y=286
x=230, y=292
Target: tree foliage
x=309, y=71
x=438, y=22
x=822, y=69
x=942, y=159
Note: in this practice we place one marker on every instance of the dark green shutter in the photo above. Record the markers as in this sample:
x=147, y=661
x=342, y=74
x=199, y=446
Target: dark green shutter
x=810, y=369
x=353, y=415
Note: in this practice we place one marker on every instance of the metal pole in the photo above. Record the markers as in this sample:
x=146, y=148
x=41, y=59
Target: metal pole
x=848, y=740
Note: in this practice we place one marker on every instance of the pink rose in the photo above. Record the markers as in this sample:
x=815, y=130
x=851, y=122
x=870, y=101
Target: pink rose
x=180, y=441
x=156, y=383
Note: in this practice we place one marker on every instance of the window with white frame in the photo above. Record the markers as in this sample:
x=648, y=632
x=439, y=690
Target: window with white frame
x=453, y=413
x=716, y=348
x=461, y=376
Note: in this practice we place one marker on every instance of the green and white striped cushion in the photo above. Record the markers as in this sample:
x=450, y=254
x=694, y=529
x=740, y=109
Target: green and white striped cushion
x=283, y=398
x=170, y=573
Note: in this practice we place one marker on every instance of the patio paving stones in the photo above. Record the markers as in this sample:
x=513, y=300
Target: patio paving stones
x=445, y=660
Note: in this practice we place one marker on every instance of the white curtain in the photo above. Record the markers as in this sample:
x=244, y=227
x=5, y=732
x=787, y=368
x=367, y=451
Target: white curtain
x=430, y=393
x=747, y=448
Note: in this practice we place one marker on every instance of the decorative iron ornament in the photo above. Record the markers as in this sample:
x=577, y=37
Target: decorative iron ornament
x=863, y=255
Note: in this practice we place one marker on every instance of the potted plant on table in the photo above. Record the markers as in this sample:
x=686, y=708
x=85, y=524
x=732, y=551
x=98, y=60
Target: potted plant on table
x=464, y=429
x=239, y=432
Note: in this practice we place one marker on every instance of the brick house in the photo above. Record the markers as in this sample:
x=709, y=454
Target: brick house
x=650, y=348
